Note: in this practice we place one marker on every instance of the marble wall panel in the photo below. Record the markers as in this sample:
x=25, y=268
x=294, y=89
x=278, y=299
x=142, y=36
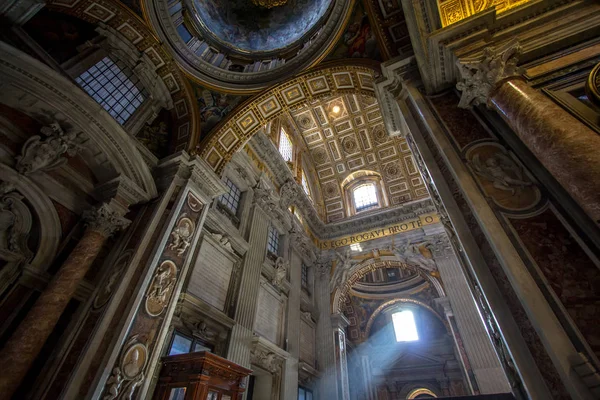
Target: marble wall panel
x=211, y=262
x=541, y=357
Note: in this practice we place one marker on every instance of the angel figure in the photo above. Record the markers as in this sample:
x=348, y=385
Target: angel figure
x=280, y=272
x=411, y=254
x=496, y=169
x=342, y=269
x=114, y=385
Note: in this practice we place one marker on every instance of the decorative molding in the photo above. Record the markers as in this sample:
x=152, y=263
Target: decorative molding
x=268, y=356
x=250, y=117
x=534, y=23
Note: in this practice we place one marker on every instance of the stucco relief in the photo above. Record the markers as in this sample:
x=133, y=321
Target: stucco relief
x=45, y=152
x=182, y=234
x=501, y=177
x=161, y=288
x=129, y=374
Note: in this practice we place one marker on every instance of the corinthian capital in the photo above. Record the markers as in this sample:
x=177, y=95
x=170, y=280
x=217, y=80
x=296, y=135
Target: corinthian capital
x=104, y=220
x=481, y=75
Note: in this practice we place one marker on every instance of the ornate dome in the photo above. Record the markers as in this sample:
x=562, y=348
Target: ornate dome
x=241, y=47
x=242, y=26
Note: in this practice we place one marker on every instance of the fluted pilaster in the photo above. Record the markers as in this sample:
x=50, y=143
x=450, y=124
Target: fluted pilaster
x=242, y=332
x=484, y=363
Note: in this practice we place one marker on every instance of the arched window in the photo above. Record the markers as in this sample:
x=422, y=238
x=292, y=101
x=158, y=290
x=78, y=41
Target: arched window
x=305, y=185
x=363, y=191
x=404, y=326
x=365, y=197
x=286, y=148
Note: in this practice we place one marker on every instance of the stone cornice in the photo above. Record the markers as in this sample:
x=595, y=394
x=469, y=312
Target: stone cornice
x=182, y=165
x=541, y=26
x=265, y=149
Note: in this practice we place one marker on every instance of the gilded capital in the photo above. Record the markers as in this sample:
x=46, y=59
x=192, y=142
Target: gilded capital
x=481, y=75
x=104, y=220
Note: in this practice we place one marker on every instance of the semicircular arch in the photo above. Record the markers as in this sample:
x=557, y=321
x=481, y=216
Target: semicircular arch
x=36, y=90
x=121, y=18
x=253, y=115
x=361, y=269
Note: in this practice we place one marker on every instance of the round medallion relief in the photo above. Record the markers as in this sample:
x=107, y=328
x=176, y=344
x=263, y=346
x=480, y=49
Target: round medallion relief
x=161, y=288
x=134, y=360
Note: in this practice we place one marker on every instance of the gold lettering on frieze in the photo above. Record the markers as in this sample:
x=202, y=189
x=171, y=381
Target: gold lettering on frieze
x=389, y=230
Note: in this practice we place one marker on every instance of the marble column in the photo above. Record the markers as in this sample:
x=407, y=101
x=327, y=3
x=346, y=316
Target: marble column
x=242, y=332
x=27, y=341
x=565, y=146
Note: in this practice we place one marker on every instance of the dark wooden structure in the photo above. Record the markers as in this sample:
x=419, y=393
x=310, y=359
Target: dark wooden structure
x=200, y=376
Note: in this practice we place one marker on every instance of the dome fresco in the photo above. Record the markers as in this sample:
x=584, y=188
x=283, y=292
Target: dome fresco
x=241, y=25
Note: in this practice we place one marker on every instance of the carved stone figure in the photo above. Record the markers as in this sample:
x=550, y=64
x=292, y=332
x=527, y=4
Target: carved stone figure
x=223, y=240
x=266, y=359
x=113, y=383
x=342, y=269
x=410, y=253
x=288, y=194
x=129, y=389
x=302, y=243
x=497, y=169
x=203, y=331
x=182, y=236
x=41, y=153
x=15, y=224
x=280, y=273
x=162, y=284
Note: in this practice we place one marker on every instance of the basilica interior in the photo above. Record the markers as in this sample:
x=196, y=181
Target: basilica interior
x=299, y=199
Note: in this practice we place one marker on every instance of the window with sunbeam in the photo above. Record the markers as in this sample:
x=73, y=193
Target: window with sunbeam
x=404, y=326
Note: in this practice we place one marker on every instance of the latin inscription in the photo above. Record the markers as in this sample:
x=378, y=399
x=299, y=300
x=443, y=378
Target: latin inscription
x=379, y=233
